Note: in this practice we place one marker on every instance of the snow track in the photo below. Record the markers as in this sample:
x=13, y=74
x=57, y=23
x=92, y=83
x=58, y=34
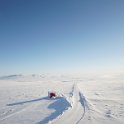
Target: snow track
x=76, y=113
x=81, y=111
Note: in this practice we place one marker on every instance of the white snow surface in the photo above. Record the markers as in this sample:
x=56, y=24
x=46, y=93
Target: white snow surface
x=96, y=99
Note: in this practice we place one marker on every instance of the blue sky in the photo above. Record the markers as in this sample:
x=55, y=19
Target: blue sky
x=38, y=36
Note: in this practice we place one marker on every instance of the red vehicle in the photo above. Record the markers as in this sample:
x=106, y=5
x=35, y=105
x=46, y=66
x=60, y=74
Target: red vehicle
x=51, y=94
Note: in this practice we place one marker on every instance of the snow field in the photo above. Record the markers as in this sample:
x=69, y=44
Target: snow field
x=89, y=99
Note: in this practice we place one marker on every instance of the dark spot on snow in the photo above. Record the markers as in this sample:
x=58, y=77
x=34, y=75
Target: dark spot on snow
x=89, y=118
x=108, y=114
x=96, y=94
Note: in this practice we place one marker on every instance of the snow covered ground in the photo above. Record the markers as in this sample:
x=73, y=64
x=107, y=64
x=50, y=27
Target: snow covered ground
x=97, y=99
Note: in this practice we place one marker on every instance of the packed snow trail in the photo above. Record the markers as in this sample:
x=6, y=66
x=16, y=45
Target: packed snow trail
x=74, y=114
x=82, y=111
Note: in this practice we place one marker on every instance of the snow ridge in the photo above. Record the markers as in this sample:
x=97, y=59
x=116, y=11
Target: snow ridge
x=76, y=113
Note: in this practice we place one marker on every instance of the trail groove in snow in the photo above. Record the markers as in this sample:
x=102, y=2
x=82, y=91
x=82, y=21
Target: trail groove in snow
x=75, y=114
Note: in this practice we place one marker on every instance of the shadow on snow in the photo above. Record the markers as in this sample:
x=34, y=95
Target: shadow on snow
x=60, y=105
x=28, y=101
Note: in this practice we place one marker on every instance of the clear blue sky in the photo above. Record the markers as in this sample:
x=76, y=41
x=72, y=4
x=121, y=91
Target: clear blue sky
x=38, y=36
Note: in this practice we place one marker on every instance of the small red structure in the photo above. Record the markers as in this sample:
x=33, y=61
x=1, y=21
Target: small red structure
x=51, y=94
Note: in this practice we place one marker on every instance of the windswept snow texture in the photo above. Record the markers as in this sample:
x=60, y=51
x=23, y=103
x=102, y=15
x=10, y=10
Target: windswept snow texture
x=97, y=99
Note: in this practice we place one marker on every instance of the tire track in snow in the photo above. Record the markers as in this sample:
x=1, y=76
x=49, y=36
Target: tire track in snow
x=83, y=105
x=75, y=114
